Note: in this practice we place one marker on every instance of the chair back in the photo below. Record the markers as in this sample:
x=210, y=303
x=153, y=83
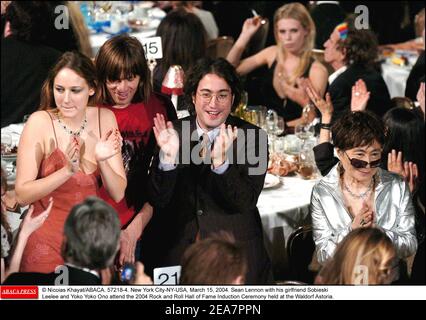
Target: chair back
x=219, y=47
x=258, y=41
x=300, y=249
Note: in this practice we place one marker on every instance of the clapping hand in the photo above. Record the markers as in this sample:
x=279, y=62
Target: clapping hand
x=109, y=145
x=324, y=106
x=167, y=139
x=408, y=170
x=421, y=97
x=30, y=223
x=72, y=153
x=297, y=93
x=365, y=218
x=360, y=96
x=222, y=143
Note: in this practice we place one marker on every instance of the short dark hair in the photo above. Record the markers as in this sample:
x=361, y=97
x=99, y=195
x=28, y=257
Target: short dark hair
x=215, y=260
x=355, y=129
x=219, y=67
x=122, y=56
x=29, y=20
x=361, y=46
x=92, y=234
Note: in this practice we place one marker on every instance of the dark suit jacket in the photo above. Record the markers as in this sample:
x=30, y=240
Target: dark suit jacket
x=341, y=90
x=326, y=17
x=417, y=75
x=192, y=199
x=76, y=277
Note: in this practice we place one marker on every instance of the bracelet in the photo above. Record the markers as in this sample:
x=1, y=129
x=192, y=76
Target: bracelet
x=325, y=126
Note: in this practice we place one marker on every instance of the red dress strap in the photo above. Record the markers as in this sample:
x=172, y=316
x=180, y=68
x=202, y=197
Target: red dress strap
x=53, y=126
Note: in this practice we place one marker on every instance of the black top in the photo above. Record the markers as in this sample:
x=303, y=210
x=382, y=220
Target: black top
x=286, y=108
x=326, y=17
x=75, y=277
x=24, y=67
x=417, y=75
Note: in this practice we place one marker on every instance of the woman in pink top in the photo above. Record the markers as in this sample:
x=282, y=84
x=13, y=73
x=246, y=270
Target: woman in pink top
x=66, y=152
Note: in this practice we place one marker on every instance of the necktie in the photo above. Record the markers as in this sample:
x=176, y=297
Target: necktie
x=205, y=141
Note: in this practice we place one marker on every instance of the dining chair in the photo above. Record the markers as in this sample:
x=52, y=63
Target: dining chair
x=219, y=47
x=258, y=41
x=300, y=249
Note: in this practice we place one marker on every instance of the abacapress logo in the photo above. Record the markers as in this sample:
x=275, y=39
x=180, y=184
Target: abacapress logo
x=19, y=292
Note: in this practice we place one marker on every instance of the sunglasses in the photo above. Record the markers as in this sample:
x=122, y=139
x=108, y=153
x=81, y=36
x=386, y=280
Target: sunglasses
x=359, y=164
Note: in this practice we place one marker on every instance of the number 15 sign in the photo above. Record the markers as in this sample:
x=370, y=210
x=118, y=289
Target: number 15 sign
x=152, y=47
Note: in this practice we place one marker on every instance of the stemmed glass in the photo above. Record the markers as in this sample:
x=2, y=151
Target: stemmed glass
x=6, y=143
x=304, y=131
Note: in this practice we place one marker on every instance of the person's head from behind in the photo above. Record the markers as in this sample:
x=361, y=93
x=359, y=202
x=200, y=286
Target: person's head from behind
x=123, y=73
x=294, y=29
x=365, y=256
x=70, y=85
x=359, y=138
x=215, y=260
x=212, y=89
x=183, y=38
x=28, y=20
x=91, y=235
x=348, y=45
x=404, y=132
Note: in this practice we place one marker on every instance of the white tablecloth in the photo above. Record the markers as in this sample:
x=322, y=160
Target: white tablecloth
x=395, y=78
x=97, y=40
x=282, y=210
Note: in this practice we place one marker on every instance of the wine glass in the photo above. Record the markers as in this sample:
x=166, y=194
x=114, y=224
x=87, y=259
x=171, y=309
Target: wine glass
x=271, y=119
x=280, y=126
x=6, y=143
x=304, y=131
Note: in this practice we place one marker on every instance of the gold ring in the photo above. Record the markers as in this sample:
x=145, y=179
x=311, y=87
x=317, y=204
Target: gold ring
x=362, y=222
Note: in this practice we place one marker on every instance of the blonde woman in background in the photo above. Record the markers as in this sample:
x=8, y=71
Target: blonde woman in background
x=290, y=62
x=365, y=256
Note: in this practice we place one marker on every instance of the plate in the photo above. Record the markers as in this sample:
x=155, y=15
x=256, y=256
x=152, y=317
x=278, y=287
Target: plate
x=9, y=156
x=270, y=181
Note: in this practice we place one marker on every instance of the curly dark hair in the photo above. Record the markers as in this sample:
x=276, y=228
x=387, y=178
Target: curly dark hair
x=356, y=129
x=360, y=47
x=221, y=68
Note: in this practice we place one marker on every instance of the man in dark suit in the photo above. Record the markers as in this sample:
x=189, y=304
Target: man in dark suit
x=352, y=54
x=199, y=188
x=91, y=241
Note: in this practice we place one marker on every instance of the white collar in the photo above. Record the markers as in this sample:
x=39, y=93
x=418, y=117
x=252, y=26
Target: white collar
x=95, y=273
x=212, y=133
x=336, y=73
x=326, y=2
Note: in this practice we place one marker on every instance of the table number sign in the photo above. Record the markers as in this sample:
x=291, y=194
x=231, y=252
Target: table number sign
x=167, y=275
x=152, y=47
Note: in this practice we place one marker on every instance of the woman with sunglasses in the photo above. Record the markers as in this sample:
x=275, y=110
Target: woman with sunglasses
x=356, y=193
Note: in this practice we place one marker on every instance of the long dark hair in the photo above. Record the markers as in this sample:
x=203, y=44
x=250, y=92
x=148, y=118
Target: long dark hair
x=184, y=41
x=405, y=132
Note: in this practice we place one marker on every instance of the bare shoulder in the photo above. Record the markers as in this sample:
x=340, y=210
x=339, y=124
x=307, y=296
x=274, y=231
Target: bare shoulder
x=318, y=67
x=38, y=119
x=270, y=54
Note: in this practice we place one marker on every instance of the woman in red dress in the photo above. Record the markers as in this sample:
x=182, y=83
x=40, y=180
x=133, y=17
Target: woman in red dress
x=66, y=151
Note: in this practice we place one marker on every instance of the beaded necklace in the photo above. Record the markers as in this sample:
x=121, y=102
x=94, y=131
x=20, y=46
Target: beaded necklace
x=71, y=132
